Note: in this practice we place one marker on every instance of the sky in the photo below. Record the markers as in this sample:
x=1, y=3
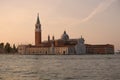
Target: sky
x=98, y=21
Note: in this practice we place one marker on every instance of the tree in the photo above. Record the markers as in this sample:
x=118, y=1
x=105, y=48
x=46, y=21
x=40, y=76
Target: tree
x=1, y=45
x=14, y=48
x=8, y=48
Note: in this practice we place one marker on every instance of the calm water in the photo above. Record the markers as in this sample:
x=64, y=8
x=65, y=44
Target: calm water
x=59, y=67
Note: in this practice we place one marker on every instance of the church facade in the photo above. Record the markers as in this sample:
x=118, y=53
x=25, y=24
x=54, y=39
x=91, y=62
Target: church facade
x=62, y=46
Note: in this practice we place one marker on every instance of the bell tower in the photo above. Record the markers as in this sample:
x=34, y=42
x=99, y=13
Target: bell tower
x=37, y=32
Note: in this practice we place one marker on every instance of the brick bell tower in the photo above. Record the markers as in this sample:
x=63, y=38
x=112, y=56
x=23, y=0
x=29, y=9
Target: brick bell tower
x=37, y=32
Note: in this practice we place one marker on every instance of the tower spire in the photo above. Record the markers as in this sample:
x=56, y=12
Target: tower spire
x=38, y=20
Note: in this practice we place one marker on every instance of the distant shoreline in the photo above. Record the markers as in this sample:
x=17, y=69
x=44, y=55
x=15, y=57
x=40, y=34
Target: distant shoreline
x=53, y=54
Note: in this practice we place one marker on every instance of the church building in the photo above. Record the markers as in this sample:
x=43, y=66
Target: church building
x=63, y=46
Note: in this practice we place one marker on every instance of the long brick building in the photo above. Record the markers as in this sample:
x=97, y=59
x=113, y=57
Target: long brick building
x=100, y=49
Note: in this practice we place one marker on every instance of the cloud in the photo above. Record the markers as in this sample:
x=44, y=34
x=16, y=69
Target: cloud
x=100, y=8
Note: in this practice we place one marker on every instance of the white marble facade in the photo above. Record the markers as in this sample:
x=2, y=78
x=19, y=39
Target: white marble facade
x=80, y=47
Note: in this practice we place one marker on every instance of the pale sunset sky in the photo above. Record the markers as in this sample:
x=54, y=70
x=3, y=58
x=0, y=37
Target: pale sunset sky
x=98, y=21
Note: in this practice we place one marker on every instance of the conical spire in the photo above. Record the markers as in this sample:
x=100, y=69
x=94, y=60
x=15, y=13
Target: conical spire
x=38, y=21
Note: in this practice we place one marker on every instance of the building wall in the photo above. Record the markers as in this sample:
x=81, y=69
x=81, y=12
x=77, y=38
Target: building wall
x=89, y=49
x=22, y=49
x=61, y=50
x=80, y=49
x=100, y=49
x=37, y=50
x=45, y=50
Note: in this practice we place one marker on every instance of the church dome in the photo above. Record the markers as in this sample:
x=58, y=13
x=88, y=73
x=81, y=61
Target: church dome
x=65, y=36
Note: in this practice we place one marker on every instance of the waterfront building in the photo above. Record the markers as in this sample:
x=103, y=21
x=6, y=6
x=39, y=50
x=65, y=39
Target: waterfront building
x=100, y=49
x=62, y=46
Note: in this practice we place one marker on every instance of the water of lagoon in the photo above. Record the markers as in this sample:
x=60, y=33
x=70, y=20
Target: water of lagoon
x=59, y=67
